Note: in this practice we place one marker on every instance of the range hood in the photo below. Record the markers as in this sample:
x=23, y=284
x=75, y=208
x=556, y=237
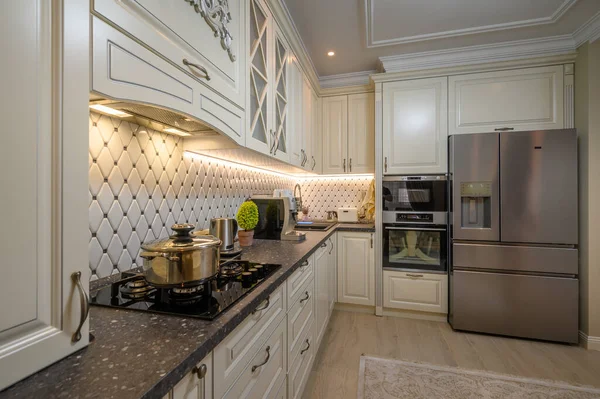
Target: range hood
x=199, y=138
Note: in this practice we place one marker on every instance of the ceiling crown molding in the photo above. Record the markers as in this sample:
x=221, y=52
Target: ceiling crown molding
x=590, y=31
x=481, y=54
x=346, y=79
x=371, y=43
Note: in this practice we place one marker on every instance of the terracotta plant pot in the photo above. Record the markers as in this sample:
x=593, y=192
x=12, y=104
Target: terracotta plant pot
x=246, y=237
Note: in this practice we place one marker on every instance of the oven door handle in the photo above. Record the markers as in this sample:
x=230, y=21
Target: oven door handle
x=415, y=228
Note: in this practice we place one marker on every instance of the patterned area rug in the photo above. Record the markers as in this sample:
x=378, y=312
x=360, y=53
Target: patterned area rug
x=396, y=379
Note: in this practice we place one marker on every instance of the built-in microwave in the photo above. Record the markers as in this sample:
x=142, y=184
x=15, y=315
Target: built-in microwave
x=415, y=223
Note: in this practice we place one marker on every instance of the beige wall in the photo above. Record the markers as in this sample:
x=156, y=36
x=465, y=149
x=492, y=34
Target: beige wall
x=587, y=122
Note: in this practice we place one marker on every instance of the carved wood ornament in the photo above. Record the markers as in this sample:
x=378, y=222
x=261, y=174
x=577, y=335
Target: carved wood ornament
x=217, y=16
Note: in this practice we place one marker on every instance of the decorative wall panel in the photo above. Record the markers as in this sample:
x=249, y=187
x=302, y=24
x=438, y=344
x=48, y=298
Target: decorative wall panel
x=141, y=183
x=323, y=194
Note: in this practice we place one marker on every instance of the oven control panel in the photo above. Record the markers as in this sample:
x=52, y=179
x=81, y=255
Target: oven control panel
x=414, y=217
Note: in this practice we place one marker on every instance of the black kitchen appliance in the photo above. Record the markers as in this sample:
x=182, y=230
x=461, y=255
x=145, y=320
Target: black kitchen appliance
x=415, y=223
x=203, y=301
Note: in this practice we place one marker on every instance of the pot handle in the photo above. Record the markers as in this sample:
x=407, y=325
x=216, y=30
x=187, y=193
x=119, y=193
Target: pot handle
x=152, y=255
x=235, y=228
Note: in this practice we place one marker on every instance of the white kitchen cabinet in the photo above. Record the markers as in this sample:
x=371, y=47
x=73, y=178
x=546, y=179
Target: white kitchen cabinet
x=332, y=267
x=316, y=165
x=295, y=118
x=45, y=191
x=356, y=268
x=125, y=70
x=425, y=292
x=522, y=99
x=361, y=133
x=234, y=353
x=198, y=384
x=260, y=136
x=335, y=134
x=179, y=32
x=307, y=123
x=281, y=131
x=349, y=134
x=300, y=317
x=187, y=66
x=322, y=287
x=299, y=370
x=415, y=126
x=265, y=373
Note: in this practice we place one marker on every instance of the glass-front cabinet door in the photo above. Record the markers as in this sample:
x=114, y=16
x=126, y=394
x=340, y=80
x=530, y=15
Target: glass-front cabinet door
x=259, y=135
x=280, y=146
x=416, y=248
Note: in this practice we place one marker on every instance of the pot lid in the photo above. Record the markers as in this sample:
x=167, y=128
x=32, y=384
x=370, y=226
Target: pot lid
x=182, y=241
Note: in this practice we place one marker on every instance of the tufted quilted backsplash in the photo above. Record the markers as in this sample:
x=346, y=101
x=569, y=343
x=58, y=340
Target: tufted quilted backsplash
x=141, y=183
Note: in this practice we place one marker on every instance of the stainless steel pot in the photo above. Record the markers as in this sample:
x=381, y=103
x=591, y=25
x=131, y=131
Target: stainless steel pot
x=182, y=259
x=225, y=229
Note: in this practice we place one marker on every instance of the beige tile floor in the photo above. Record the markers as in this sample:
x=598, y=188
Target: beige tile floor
x=348, y=335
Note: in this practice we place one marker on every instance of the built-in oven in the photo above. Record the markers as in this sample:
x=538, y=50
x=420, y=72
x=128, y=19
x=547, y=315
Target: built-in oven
x=415, y=223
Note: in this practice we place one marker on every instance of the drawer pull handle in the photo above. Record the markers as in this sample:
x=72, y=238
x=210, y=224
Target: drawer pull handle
x=314, y=163
x=331, y=248
x=307, y=347
x=344, y=165
x=304, y=264
x=84, y=302
x=414, y=275
x=350, y=165
x=385, y=165
x=200, y=67
x=324, y=245
x=265, y=362
x=504, y=129
x=266, y=305
x=305, y=298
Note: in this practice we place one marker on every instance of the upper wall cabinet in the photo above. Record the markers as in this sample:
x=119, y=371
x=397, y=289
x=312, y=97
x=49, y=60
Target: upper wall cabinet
x=268, y=96
x=200, y=55
x=524, y=99
x=415, y=126
x=349, y=134
x=260, y=135
x=295, y=120
x=281, y=98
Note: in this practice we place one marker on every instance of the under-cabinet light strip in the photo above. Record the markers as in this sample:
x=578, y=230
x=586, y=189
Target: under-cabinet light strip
x=224, y=162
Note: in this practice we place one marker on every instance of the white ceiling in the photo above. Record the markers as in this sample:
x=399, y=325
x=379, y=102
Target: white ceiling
x=361, y=31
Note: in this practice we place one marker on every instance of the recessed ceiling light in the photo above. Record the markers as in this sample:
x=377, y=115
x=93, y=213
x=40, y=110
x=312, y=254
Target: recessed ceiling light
x=178, y=132
x=108, y=110
x=331, y=53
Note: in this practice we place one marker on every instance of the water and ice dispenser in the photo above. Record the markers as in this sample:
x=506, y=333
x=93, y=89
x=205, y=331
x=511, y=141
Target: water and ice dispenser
x=476, y=205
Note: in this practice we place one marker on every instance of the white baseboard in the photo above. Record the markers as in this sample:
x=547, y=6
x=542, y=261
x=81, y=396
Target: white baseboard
x=588, y=342
x=412, y=314
x=348, y=307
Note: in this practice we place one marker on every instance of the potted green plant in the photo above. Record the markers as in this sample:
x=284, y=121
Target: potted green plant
x=247, y=218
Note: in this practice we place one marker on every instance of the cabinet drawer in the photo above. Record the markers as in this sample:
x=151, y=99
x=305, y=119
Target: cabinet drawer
x=522, y=99
x=300, y=316
x=265, y=373
x=234, y=353
x=299, y=370
x=122, y=69
x=177, y=32
x=298, y=279
x=415, y=291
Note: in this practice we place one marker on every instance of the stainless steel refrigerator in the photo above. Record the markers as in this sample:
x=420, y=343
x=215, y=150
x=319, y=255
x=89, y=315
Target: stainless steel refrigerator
x=514, y=258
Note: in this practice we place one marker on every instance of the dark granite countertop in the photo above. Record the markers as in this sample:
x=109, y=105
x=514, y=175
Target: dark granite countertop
x=138, y=354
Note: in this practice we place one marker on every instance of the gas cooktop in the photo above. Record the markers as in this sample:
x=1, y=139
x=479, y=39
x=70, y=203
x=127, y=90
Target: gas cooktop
x=206, y=300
